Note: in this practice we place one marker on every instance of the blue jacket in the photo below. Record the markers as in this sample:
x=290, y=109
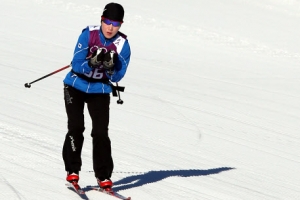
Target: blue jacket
x=80, y=64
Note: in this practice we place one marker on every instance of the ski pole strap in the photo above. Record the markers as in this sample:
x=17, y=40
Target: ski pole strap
x=116, y=88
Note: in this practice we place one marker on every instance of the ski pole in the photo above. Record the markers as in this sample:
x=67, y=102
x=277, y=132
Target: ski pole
x=120, y=101
x=28, y=85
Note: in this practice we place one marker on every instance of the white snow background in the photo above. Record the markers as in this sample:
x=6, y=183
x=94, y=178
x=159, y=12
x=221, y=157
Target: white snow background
x=211, y=105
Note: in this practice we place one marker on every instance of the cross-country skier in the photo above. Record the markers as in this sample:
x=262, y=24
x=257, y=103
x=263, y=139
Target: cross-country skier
x=101, y=56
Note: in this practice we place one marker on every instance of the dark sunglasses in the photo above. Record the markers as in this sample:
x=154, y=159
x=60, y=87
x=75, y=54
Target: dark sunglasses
x=109, y=22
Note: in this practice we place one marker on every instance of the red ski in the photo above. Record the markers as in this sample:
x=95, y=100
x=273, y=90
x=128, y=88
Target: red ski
x=76, y=188
x=112, y=193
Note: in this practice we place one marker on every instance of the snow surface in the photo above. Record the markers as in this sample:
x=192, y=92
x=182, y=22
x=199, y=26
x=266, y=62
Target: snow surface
x=211, y=105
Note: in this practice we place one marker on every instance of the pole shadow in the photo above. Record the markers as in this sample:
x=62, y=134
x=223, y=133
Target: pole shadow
x=155, y=176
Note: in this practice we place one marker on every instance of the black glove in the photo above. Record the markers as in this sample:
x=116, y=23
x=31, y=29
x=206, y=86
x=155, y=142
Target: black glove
x=97, y=58
x=109, y=61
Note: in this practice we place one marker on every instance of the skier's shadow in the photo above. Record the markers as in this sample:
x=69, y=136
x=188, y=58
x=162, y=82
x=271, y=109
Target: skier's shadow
x=155, y=176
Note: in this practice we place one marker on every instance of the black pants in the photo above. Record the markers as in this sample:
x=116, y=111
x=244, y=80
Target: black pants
x=98, y=107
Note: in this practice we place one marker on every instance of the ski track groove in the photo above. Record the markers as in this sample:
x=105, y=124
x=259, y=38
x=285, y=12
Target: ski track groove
x=259, y=148
x=213, y=114
x=15, y=191
x=17, y=135
x=263, y=195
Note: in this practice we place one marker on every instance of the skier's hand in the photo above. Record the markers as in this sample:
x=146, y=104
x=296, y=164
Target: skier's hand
x=109, y=61
x=97, y=58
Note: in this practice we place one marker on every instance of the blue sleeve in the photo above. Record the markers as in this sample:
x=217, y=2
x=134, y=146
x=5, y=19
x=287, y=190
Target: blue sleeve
x=122, y=64
x=79, y=61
